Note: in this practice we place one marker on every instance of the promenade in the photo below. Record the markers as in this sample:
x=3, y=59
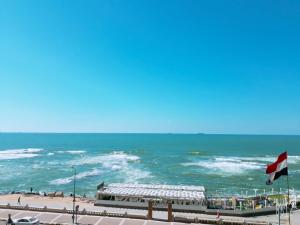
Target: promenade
x=60, y=218
x=66, y=203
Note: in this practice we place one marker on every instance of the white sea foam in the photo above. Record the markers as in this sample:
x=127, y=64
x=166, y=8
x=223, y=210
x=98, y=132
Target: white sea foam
x=83, y=175
x=292, y=159
x=113, y=161
x=19, y=153
x=21, y=150
x=224, y=159
x=118, y=162
x=37, y=166
x=50, y=153
x=227, y=165
x=133, y=175
x=73, y=152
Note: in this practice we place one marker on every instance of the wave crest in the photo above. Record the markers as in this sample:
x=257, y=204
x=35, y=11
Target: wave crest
x=118, y=162
x=113, y=161
x=226, y=165
x=79, y=176
x=73, y=152
x=19, y=153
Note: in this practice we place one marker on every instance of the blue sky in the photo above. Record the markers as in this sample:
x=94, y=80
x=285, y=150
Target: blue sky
x=150, y=66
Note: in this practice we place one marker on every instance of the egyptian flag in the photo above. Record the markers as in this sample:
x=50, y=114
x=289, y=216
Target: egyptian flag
x=278, y=168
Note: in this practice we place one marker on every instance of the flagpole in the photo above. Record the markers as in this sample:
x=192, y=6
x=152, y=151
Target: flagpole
x=288, y=186
x=288, y=205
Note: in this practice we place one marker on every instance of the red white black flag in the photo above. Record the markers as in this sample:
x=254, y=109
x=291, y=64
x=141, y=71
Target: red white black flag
x=278, y=168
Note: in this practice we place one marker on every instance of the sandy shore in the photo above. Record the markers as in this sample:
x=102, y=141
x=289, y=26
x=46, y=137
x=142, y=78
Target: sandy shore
x=42, y=199
x=50, y=202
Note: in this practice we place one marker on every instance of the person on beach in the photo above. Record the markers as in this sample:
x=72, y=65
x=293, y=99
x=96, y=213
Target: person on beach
x=19, y=200
x=31, y=190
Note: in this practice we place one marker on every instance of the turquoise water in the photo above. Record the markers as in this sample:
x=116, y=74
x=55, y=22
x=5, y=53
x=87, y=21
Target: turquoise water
x=224, y=164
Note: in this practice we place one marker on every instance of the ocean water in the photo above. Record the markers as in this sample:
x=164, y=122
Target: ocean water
x=224, y=164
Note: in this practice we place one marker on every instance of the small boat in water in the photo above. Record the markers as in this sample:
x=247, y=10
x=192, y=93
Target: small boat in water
x=187, y=198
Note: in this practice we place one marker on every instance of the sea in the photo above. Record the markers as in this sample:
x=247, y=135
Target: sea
x=223, y=164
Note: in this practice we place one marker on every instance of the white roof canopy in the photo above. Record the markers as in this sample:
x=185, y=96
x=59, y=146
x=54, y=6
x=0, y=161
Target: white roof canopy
x=159, y=186
x=155, y=191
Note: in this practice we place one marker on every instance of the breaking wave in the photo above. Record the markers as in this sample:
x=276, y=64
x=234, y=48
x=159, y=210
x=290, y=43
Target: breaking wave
x=133, y=175
x=79, y=176
x=235, y=165
x=123, y=165
x=292, y=159
x=19, y=153
x=226, y=167
x=112, y=161
x=73, y=152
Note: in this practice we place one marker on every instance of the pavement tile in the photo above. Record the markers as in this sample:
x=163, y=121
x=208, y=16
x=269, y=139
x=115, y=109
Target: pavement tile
x=9, y=211
x=133, y=222
x=26, y=213
x=174, y=223
x=4, y=214
x=89, y=219
x=110, y=221
x=64, y=218
x=47, y=217
x=151, y=222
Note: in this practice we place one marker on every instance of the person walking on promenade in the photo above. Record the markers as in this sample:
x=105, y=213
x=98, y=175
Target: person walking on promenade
x=19, y=200
x=9, y=221
x=218, y=214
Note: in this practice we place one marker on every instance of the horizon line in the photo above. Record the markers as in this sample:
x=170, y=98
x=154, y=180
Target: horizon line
x=165, y=133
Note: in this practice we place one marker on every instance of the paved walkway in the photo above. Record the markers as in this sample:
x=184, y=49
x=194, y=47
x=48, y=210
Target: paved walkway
x=60, y=218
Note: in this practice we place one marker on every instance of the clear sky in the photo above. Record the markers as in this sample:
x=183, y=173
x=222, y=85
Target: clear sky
x=150, y=66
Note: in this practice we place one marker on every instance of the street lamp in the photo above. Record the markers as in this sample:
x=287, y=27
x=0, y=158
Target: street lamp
x=74, y=181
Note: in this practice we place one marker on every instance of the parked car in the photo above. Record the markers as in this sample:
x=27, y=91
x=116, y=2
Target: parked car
x=27, y=221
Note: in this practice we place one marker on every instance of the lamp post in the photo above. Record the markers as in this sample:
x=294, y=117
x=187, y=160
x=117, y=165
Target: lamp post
x=74, y=182
x=255, y=191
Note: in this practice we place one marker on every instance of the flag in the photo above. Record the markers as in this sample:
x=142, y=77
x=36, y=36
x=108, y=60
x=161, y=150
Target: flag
x=278, y=168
